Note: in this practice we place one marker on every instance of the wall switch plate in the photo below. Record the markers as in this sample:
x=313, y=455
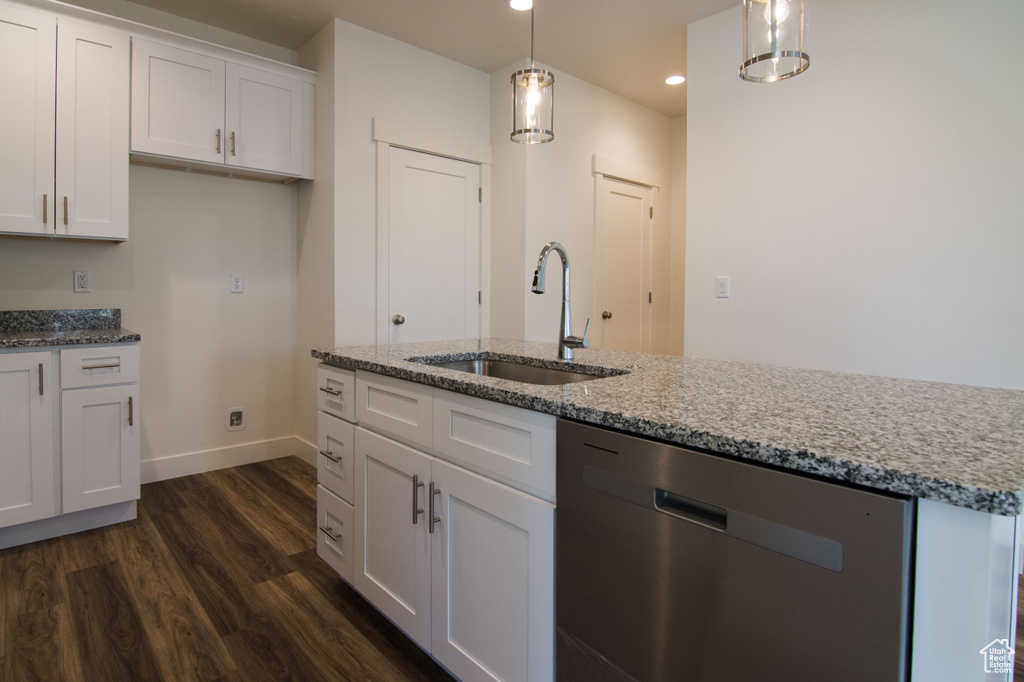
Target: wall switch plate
x=81, y=283
x=724, y=286
x=237, y=284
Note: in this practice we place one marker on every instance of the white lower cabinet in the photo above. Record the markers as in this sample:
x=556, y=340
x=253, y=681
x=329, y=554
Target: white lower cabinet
x=462, y=564
x=437, y=508
x=99, y=446
x=26, y=437
x=72, y=463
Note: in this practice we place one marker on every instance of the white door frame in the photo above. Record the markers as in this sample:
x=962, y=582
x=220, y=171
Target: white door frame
x=387, y=134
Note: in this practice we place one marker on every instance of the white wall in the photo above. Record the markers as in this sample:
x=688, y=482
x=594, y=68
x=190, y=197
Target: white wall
x=382, y=77
x=549, y=192
x=369, y=76
x=868, y=210
x=204, y=350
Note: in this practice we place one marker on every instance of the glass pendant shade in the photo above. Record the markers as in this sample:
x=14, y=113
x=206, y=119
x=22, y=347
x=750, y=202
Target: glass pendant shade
x=533, y=106
x=773, y=40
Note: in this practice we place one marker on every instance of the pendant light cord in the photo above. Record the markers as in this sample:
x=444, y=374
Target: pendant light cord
x=531, y=37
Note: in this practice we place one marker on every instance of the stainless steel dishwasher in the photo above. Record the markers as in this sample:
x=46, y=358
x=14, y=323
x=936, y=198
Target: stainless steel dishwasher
x=674, y=564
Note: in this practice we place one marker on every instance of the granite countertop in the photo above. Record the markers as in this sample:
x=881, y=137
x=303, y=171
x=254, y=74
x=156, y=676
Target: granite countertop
x=962, y=445
x=40, y=328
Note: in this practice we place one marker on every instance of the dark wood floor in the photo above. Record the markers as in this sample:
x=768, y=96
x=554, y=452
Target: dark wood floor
x=217, y=579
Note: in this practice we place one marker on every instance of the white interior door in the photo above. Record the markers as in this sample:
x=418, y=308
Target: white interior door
x=433, y=247
x=622, y=245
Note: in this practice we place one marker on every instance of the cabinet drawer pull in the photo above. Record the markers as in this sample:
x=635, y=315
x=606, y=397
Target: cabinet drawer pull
x=65, y=209
x=416, y=485
x=218, y=140
x=433, y=519
x=328, y=532
x=131, y=416
x=44, y=209
x=106, y=366
x=330, y=391
x=330, y=456
x=40, y=378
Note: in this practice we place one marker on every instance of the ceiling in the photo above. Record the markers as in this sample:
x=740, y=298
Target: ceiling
x=628, y=48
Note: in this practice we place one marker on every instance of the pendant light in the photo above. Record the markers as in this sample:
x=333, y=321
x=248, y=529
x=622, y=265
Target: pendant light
x=773, y=40
x=533, y=102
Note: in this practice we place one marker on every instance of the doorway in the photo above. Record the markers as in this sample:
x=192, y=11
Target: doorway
x=433, y=240
x=623, y=220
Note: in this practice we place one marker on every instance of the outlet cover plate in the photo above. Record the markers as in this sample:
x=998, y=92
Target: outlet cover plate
x=82, y=281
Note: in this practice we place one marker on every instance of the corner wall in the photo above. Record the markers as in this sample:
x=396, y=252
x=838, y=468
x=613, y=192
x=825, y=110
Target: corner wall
x=549, y=191
x=204, y=350
x=867, y=210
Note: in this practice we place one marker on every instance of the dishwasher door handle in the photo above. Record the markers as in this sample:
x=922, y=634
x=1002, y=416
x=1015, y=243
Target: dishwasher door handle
x=690, y=509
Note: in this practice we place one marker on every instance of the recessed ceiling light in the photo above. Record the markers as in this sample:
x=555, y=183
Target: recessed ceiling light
x=675, y=80
x=520, y=4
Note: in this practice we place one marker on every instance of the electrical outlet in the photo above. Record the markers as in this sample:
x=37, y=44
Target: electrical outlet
x=236, y=419
x=81, y=283
x=237, y=284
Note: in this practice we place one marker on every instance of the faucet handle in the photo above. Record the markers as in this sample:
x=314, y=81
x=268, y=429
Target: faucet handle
x=586, y=331
x=578, y=341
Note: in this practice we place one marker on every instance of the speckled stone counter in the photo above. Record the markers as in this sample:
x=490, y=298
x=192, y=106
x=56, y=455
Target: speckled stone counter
x=37, y=328
x=962, y=445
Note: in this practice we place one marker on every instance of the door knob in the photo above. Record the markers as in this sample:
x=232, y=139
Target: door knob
x=606, y=315
x=398, y=319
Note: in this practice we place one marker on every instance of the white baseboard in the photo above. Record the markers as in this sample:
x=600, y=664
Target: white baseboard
x=209, y=460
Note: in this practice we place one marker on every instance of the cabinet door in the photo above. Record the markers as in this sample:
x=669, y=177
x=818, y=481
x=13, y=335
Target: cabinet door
x=493, y=579
x=92, y=132
x=177, y=103
x=392, y=562
x=265, y=116
x=26, y=438
x=28, y=62
x=99, y=446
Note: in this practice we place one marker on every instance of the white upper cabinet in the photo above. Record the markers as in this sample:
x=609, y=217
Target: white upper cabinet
x=28, y=65
x=177, y=103
x=187, y=105
x=64, y=142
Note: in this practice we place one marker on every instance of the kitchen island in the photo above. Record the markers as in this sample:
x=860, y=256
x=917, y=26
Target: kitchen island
x=957, y=450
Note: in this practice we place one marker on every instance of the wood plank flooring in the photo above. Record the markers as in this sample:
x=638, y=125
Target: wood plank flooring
x=216, y=581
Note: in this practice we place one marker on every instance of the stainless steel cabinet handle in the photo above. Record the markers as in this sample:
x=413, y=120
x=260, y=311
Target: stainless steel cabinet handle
x=330, y=455
x=40, y=378
x=433, y=519
x=232, y=143
x=131, y=416
x=331, y=391
x=398, y=319
x=44, y=209
x=416, y=485
x=65, y=209
x=107, y=366
x=218, y=140
x=328, y=532
x=606, y=315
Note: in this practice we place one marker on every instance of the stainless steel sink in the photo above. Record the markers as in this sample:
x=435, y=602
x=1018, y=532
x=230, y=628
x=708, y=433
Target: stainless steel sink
x=519, y=371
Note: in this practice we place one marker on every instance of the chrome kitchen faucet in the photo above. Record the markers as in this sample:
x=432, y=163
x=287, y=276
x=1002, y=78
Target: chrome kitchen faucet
x=566, y=341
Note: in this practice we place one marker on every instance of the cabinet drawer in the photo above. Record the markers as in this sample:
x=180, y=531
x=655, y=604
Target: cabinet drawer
x=99, y=365
x=510, y=444
x=336, y=389
x=334, y=463
x=401, y=408
x=335, y=532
